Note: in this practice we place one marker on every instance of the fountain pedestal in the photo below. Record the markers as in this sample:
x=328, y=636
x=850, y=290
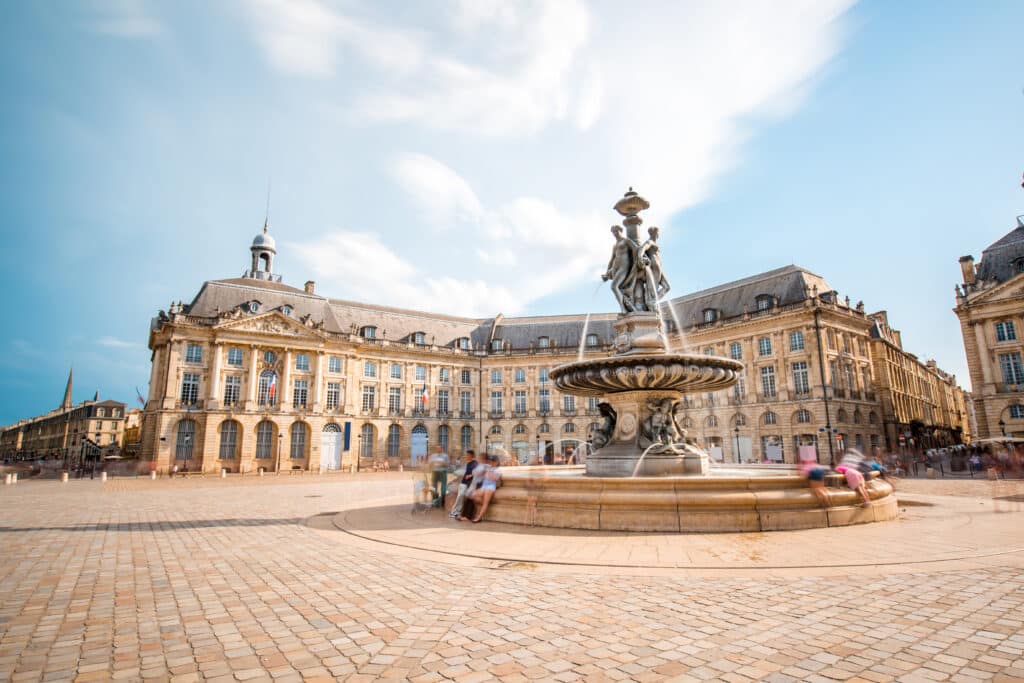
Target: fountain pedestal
x=638, y=332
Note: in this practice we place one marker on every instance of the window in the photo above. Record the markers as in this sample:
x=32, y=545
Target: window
x=421, y=373
x=232, y=389
x=740, y=420
x=1005, y=331
x=467, y=437
x=736, y=351
x=300, y=394
x=190, y=388
x=465, y=377
x=764, y=302
x=711, y=421
x=444, y=375
x=1013, y=370
x=796, y=341
x=857, y=417
x=872, y=417
x=764, y=346
x=740, y=388
x=709, y=350
x=266, y=394
x=286, y=309
x=464, y=343
x=544, y=400
x=592, y=402
x=709, y=315
x=592, y=340
x=333, y=364
x=333, y=395
x=369, y=332
x=443, y=405
x=395, y=371
x=366, y=439
x=496, y=429
x=101, y=412
x=419, y=338
x=254, y=306
x=768, y=381
x=369, y=398
x=497, y=345
x=466, y=402
x=770, y=418
x=801, y=383
x=269, y=357
x=519, y=404
x=568, y=403
x=113, y=438
x=861, y=349
x=116, y=412
x=495, y=376
x=299, y=431
x=496, y=399
x=394, y=400
x=264, y=439
x=519, y=429
x=542, y=375
x=419, y=393
x=302, y=361
x=520, y=375
x=543, y=342
x=234, y=356
x=394, y=440
x=803, y=416
x=369, y=369
x=184, y=441
x=442, y=437
x=569, y=428
x=544, y=429
x=1017, y=411
x=194, y=353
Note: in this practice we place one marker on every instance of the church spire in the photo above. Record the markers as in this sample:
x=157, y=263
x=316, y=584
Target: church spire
x=66, y=403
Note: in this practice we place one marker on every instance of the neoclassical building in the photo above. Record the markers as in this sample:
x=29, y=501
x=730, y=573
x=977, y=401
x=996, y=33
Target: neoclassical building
x=254, y=373
x=990, y=306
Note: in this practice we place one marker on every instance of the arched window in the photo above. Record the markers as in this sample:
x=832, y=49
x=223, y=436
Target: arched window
x=711, y=421
x=394, y=440
x=857, y=417
x=267, y=391
x=264, y=439
x=299, y=432
x=740, y=420
x=467, y=437
x=770, y=418
x=841, y=416
x=366, y=441
x=687, y=423
x=442, y=437
x=101, y=412
x=569, y=428
x=519, y=429
x=545, y=428
x=228, y=440
x=873, y=417
x=185, y=440
x=332, y=428
x=803, y=416
x=496, y=429
x=592, y=340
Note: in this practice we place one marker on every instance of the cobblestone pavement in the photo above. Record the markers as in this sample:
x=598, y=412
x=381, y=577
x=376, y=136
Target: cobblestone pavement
x=226, y=580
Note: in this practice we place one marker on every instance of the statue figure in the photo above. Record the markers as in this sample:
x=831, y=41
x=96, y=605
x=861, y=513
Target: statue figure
x=659, y=427
x=649, y=259
x=622, y=270
x=603, y=434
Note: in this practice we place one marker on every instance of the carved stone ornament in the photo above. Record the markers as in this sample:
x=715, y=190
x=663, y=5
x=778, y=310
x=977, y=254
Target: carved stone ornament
x=666, y=371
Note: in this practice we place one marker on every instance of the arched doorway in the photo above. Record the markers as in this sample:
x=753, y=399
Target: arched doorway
x=418, y=445
x=330, y=447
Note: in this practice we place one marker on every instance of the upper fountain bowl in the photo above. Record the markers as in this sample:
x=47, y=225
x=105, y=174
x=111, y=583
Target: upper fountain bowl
x=682, y=372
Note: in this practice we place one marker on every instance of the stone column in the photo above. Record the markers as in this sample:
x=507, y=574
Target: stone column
x=318, y=376
x=253, y=380
x=171, y=386
x=154, y=373
x=284, y=389
x=213, y=398
x=983, y=355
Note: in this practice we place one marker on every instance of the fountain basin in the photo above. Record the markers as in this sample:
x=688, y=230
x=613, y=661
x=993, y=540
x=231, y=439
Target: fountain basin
x=740, y=498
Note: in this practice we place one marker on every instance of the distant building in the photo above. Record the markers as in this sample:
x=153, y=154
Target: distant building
x=990, y=306
x=255, y=373
x=76, y=433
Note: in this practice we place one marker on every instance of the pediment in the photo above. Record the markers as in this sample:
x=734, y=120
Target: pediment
x=272, y=323
x=1011, y=289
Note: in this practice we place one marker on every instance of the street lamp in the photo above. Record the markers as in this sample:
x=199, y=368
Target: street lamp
x=1002, y=427
x=277, y=468
x=736, y=430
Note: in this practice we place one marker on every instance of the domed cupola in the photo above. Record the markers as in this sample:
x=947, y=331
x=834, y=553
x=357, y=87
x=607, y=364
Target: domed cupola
x=263, y=250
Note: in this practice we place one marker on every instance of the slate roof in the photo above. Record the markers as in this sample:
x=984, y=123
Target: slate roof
x=219, y=296
x=786, y=285
x=562, y=331
x=999, y=260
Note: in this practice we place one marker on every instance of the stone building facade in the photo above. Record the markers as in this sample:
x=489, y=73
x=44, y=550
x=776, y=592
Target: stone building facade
x=254, y=373
x=76, y=433
x=990, y=307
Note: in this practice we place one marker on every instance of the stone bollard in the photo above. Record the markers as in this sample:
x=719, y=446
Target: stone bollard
x=64, y=477
x=261, y=471
x=152, y=475
x=992, y=474
x=103, y=476
x=14, y=477
x=223, y=473
x=930, y=473
x=401, y=467
x=8, y=479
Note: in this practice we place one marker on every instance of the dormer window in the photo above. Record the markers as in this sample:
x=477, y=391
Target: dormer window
x=464, y=343
x=286, y=309
x=543, y=342
x=368, y=332
x=765, y=302
x=253, y=306
x=419, y=338
x=1018, y=265
x=711, y=315
x=592, y=340
x=497, y=345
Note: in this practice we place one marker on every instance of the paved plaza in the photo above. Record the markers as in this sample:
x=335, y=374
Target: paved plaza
x=322, y=578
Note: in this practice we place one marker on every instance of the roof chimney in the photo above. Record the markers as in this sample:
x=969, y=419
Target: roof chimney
x=310, y=285
x=967, y=268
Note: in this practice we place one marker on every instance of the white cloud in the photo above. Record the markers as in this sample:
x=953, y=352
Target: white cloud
x=444, y=195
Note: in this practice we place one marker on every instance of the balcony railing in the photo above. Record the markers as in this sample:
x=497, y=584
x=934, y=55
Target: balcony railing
x=395, y=412
x=497, y=414
x=519, y=413
x=465, y=414
x=420, y=412
x=568, y=412
x=444, y=414
x=544, y=411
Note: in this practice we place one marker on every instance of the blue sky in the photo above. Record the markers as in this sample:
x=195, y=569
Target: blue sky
x=463, y=157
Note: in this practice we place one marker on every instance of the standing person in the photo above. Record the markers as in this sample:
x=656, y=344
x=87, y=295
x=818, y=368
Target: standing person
x=467, y=479
x=482, y=496
x=438, y=465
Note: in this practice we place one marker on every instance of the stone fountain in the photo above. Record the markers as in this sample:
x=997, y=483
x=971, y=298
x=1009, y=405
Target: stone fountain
x=645, y=473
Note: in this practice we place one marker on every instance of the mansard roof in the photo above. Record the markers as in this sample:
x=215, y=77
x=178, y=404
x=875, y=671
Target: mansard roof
x=1000, y=260
x=786, y=285
x=220, y=296
x=562, y=331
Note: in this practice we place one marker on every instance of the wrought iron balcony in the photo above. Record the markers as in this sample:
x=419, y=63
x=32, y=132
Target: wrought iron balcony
x=497, y=414
x=466, y=414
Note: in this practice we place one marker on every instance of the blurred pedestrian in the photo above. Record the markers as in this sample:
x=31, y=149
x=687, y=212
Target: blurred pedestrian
x=815, y=473
x=482, y=496
x=464, y=483
x=438, y=464
x=849, y=468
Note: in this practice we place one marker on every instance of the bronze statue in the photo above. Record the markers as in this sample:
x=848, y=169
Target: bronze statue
x=635, y=271
x=603, y=434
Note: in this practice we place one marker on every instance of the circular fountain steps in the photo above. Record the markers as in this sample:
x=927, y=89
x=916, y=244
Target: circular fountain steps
x=756, y=498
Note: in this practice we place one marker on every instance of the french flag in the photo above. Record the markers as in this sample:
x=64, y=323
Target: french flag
x=425, y=395
x=273, y=387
